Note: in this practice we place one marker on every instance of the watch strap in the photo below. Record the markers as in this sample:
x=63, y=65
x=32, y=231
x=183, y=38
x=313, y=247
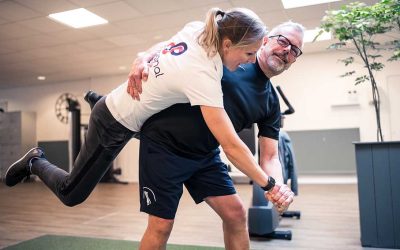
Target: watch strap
x=270, y=185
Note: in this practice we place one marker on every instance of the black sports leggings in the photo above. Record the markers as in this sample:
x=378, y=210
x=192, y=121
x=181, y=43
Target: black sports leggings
x=104, y=140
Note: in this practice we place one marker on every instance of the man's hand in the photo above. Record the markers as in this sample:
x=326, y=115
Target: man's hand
x=281, y=196
x=139, y=72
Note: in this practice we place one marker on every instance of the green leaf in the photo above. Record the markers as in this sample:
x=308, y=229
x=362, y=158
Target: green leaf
x=347, y=60
x=376, y=66
x=361, y=79
x=395, y=57
x=374, y=56
x=348, y=73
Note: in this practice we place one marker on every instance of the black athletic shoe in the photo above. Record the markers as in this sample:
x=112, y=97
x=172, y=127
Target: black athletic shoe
x=20, y=169
x=92, y=98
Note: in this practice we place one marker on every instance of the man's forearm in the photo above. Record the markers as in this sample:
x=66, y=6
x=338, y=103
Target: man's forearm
x=273, y=168
x=269, y=157
x=241, y=157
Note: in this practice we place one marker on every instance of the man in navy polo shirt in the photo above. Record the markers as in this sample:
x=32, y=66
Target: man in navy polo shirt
x=177, y=147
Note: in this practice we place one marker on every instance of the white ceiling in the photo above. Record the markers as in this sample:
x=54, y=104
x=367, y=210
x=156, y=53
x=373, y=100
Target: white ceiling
x=32, y=44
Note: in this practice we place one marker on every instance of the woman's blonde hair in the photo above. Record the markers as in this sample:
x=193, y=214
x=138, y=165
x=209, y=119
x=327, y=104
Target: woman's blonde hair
x=241, y=26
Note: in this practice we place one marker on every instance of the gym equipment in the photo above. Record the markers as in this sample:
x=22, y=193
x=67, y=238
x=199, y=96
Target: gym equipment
x=263, y=218
x=68, y=111
x=284, y=141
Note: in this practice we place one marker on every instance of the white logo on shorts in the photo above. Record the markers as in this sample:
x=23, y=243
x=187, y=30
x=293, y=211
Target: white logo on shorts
x=149, y=195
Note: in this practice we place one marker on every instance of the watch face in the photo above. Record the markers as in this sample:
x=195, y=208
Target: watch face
x=272, y=180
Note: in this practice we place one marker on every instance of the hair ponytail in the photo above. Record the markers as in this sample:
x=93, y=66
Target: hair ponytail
x=242, y=26
x=209, y=38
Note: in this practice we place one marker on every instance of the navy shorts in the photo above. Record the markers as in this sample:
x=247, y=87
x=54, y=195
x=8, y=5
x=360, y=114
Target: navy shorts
x=163, y=173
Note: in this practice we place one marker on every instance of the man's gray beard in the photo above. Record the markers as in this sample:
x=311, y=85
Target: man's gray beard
x=276, y=66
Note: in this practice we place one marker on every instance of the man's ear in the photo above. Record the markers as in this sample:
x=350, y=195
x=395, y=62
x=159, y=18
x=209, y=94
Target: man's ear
x=265, y=40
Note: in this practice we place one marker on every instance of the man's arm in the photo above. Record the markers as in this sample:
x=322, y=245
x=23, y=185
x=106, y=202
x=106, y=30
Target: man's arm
x=235, y=149
x=269, y=161
x=269, y=158
x=140, y=70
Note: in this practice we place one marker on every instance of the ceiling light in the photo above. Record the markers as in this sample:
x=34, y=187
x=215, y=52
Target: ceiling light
x=41, y=78
x=309, y=35
x=289, y=4
x=78, y=18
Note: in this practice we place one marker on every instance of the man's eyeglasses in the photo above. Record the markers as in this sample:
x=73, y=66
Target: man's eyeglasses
x=284, y=42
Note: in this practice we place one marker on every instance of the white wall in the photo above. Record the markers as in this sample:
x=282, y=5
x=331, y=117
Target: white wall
x=314, y=88
x=312, y=85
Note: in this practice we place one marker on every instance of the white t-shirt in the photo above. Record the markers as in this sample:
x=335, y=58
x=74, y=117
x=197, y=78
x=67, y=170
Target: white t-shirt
x=180, y=73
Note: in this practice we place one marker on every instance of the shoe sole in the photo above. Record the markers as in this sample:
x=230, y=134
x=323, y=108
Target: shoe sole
x=13, y=165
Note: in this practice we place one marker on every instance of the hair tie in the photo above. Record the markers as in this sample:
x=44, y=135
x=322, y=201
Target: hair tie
x=220, y=13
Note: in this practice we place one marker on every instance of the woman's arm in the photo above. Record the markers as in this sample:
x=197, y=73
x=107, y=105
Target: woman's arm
x=235, y=149
x=239, y=154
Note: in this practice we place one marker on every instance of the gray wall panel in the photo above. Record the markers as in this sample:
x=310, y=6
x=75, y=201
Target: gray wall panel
x=325, y=151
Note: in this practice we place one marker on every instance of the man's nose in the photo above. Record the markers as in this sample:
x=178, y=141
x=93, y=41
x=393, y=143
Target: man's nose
x=287, y=48
x=286, y=52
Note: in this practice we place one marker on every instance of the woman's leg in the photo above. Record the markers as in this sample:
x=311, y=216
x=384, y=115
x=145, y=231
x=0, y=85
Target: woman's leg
x=104, y=140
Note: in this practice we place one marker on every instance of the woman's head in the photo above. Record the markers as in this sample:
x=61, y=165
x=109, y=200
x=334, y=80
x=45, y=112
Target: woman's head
x=236, y=35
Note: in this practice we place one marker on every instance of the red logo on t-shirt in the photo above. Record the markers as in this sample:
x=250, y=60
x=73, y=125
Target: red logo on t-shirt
x=175, y=49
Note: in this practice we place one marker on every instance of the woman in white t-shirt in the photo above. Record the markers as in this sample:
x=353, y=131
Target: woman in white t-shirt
x=188, y=69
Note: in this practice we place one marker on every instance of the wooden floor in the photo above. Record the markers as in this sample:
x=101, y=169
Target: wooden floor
x=330, y=218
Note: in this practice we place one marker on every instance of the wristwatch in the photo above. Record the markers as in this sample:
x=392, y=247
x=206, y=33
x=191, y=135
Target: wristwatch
x=270, y=185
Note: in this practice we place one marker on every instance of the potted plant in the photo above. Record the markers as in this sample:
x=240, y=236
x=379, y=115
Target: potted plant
x=357, y=26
